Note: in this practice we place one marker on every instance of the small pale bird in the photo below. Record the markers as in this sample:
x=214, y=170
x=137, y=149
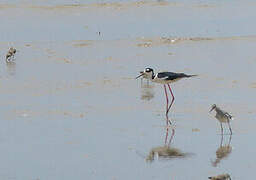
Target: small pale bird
x=221, y=177
x=222, y=116
x=10, y=54
x=164, y=78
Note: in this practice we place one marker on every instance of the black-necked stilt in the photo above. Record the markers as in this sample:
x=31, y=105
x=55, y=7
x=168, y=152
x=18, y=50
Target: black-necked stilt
x=10, y=54
x=164, y=78
x=222, y=116
x=221, y=177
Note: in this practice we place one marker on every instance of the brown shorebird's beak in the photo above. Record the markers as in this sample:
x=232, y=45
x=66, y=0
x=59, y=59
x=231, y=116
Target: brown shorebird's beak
x=141, y=74
x=211, y=109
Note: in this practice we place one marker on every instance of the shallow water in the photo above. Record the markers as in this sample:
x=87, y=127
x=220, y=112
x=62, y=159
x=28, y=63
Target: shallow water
x=71, y=107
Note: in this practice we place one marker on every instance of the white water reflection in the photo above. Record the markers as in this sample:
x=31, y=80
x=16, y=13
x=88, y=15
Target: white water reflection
x=147, y=90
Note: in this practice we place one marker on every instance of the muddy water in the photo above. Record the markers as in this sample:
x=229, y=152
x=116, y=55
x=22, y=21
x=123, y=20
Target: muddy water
x=71, y=108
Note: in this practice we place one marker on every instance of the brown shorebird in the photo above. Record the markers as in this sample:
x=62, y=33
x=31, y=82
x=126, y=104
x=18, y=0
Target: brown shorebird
x=10, y=54
x=222, y=116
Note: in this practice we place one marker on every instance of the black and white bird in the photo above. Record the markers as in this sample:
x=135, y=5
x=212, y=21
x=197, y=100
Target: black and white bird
x=222, y=116
x=10, y=54
x=163, y=78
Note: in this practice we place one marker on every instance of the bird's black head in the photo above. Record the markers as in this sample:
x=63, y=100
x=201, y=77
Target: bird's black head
x=147, y=73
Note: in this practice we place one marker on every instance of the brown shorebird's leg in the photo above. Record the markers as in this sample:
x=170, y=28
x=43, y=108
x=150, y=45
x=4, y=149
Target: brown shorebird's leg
x=221, y=140
x=172, y=98
x=230, y=137
x=221, y=128
x=229, y=128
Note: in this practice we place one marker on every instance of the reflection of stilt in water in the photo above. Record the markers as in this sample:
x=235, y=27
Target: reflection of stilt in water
x=147, y=92
x=142, y=82
x=165, y=152
x=222, y=151
x=167, y=133
x=11, y=68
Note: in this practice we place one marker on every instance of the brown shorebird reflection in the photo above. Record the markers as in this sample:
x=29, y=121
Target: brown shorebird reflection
x=221, y=177
x=166, y=151
x=11, y=68
x=147, y=91
x=223, y=151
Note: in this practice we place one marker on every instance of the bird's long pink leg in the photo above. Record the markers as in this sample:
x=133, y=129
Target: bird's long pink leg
x=172, y=98
x=167, y=103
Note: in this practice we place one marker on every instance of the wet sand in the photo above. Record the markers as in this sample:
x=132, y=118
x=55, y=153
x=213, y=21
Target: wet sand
x=71, y=108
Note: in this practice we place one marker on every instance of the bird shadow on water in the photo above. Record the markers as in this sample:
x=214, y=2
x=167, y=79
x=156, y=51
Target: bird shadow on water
x=147, y=91
x=223, y=151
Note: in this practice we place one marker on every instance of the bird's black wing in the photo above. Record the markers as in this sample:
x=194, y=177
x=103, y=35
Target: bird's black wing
x=228, y=115
x=171, y=75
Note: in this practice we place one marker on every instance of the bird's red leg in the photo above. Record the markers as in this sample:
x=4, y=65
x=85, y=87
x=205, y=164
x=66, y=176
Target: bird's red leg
x=172, y=98
x=167, y=103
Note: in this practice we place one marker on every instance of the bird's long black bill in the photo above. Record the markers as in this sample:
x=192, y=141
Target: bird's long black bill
x=211, y=110
x=139, y=76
